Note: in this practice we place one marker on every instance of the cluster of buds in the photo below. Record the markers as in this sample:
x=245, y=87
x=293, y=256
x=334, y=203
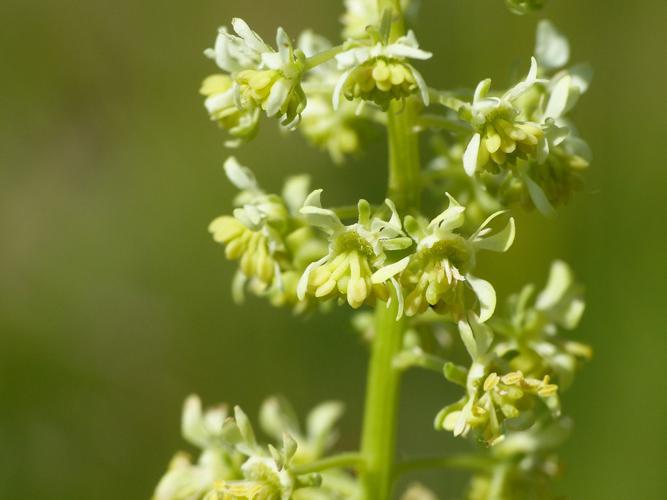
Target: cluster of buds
x=525, y=345
x=355, y=268
x=377, y=70
x=439, y=270
x=257, y=78
x=498, y=399
x=234, y=465
x=336, y=131
x=433, y=269
x=267, y=236
x=501, y=137
x=529, y=334
x=524, y=464
x=523, y=149
x=304, y=80
x=360, y=15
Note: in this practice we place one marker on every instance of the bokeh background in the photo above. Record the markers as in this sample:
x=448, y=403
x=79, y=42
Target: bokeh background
x=115, y=303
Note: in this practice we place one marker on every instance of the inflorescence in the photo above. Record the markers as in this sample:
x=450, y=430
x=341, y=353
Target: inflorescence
x=494, y=151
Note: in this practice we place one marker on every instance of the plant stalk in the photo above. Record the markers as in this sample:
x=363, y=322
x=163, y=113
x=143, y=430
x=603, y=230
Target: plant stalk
x=378, y=441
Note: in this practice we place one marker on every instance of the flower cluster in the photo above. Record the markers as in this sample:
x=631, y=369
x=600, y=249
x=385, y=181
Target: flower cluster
x=520, y=144
x=256, y=77
x=440, y=268
x=529, y=333
x=305, y=81
x=355, y=268
x=435, y=272
x=501, y=137
x=267, y=236
x=523, y=464
x=338, y=131
x=494, y=151
x=359, y=15
x=377, y=70
x=514, y=359
x=233, y=465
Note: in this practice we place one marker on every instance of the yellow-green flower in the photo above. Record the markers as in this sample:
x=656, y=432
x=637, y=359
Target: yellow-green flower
x=263, y=481
x=529, y=335
x=267, y=236
x=332, y=130
x=222, y=107
x=380, y=80
x=380, y=73
x=263, y=77
x=355, y=268
x=492, y=400
x=440, y=270
x=248, y=246
x=500, y=137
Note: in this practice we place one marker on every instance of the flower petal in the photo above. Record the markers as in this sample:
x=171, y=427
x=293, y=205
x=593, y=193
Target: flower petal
x=338, y=89
x=242, y=177
x=302, y=285
x=552, y=49
x=295, y=191
x=451, y=218
x=279, y=93
x=322, y=218
x=251, y=38
x=558, y=99
x=284, y=44
x=421, y=84
x=481, y=90
x=468, y=339
x=399, y=297
x=470, y=155
x=389, y=271
x=538, y=197
x=486, y=295
x=500, y=241
x=560, y=279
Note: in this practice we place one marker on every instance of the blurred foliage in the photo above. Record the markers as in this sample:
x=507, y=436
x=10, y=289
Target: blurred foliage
x=115, y=303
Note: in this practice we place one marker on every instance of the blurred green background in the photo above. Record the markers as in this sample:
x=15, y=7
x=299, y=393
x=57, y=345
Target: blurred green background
x=115, y=303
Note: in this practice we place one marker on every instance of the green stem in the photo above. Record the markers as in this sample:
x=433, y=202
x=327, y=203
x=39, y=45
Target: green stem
x=351, y=460
x=417, y=358
x=404, y=175
x=378, y=442
x=323, y=57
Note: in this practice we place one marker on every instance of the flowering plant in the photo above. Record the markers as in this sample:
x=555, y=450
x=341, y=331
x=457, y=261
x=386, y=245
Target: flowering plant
x=494, y=152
